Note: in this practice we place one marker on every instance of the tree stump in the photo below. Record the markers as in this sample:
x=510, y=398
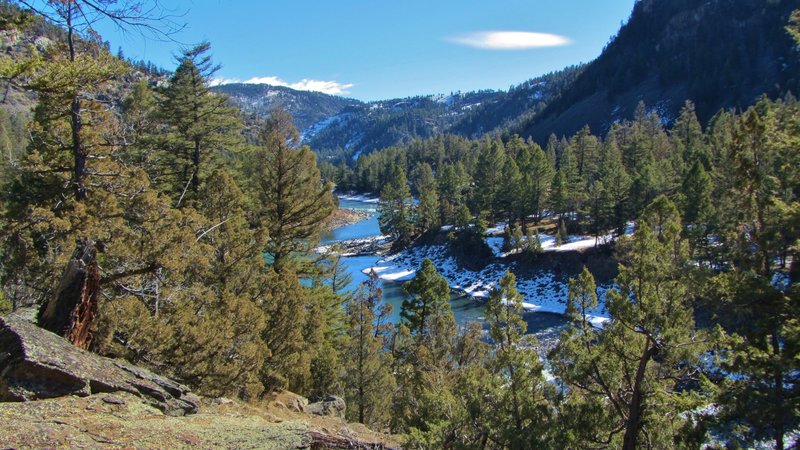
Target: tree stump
x=70, y=312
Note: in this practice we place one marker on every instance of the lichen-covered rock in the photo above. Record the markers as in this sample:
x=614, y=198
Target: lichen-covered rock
x=330, y=406
x=37, y=364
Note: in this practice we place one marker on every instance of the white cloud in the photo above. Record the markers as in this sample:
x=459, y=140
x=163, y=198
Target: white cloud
x=218, y=81
x=326, y=87
x=509, y=40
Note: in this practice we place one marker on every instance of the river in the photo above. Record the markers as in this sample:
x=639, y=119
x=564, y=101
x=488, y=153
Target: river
x=545, y=326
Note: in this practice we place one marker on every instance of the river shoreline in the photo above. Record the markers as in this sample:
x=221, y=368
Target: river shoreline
x=542, y=281
x=342, y=217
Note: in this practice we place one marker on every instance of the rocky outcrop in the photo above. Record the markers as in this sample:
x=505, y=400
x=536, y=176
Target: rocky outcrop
x=37, y=364
x=330, y=406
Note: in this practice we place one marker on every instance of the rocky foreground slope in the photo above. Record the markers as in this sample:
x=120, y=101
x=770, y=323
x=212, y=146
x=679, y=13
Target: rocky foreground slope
x=54, y=395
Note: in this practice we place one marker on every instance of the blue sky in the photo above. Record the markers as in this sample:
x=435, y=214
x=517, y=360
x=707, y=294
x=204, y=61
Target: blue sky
x=377, y=49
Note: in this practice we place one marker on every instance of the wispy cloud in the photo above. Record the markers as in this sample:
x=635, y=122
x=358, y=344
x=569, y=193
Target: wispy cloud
x=509, y=40
x=326, y=87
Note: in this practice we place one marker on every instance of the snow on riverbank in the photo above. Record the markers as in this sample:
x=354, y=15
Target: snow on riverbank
x=543, y=292
x=359, y=198
x=574, y=242
x=356, y=247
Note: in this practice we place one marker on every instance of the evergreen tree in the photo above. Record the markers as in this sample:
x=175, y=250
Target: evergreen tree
x=559, y=198
x=687, y=137
x=426, y=295
x=396, y=208
x=287, y=365
x=697, y=206
x=453, y=181
x=756, y=308
x=368, y=381
x=581, y=299
x=537, y=173
x=488, y=175
x=509, y=192
x=628, y=376
x=427, y=211
x=200, y=124
x=522, y=414
x=291, y=199
x=615, y=192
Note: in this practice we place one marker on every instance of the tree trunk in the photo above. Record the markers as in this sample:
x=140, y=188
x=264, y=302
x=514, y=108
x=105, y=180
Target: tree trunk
x=633, y=423
x=72, y=309
x=79, y=153
x=779, y=397
x=196, y=164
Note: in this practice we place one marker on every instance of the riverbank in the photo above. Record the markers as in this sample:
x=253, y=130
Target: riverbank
x=369, y=246
x=343, y=217
x=543, y=281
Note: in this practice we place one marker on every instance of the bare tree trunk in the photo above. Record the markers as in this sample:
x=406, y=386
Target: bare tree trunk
x=72, y=309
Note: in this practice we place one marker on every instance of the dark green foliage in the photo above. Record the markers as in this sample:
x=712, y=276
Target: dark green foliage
x=428, y=209
x=367, y=378
x=200, y=127
x=521, y=413
x=426, y=295
x=627, y=376
x=396, y=208
x=291, y=199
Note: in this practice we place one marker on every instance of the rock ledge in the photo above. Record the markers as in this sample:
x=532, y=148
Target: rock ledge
x=37, y=364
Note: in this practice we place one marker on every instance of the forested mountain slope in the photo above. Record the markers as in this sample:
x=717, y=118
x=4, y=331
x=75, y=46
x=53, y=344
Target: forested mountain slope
x=342, y=128
x=716, y=53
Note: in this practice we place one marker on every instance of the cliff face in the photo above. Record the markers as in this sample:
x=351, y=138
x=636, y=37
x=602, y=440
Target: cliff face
x=719, y=54
x=53, y=394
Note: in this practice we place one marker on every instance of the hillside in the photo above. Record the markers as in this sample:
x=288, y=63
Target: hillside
x=306, y=107
x=717, y=53
x=337, y=127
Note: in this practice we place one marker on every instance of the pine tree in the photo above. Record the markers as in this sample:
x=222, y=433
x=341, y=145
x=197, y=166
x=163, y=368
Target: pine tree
x=396, y=208
x=488, y=175
x=368, y=380
x=507, y=199
x=687, y=137
x=757, y=309
x=287, y=365
x=517, y=238
x=426, y=296
x=697, y=205
x=537, y=173
x=521, y=412
x=291, y=201
x=559, y=198
x=452, y=179
x=581, y=299
x=616, y=184
x=200, y=124
x=627, y=376
x=533, y=241
x=585, y=149
x=427, y=210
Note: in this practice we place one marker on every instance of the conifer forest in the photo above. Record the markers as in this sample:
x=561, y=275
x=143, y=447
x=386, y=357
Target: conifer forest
x=147, y=216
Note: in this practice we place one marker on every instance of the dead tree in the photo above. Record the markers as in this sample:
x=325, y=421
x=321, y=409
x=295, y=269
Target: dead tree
x=72, y=309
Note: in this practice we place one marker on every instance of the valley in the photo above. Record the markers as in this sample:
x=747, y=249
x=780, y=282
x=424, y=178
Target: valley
x=320, y=231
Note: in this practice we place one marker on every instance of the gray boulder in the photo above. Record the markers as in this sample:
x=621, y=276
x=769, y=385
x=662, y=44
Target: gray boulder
x=330, y=406
x=37, y=364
